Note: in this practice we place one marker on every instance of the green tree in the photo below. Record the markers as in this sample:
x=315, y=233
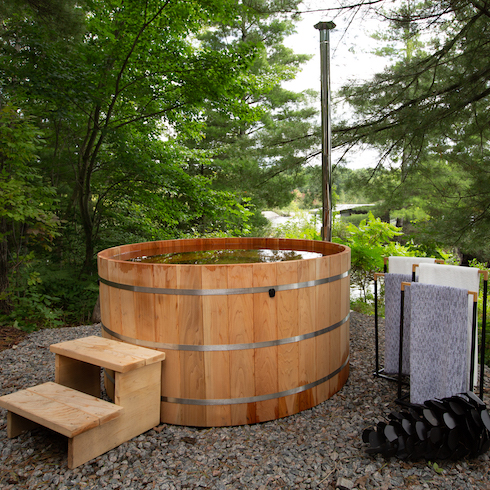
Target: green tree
x=105, y=101
x=432, y=112
x=261, y=159
x=61, y=18
x=117, y=89
x=27, y=202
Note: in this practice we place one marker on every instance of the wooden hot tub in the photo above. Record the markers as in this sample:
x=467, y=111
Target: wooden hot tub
x=244, y=343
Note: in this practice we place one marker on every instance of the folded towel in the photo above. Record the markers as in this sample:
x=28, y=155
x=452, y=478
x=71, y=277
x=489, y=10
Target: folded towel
x=403, y=265
x=459, y=277
x=438, y=342
x=449, y=275
x=392, y=323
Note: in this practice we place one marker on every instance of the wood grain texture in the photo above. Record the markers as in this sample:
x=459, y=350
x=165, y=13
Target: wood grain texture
x=323, y=320
x=59, y=408
x=241, y=331
x=138, y=392
x=78, y=375
x=110, y=354
x=308, y=313
x=215, y=328
x=287, y=326
x=189, y=318
x=239, y=319
x=93, y=426
x=17, y=424
x=265, y=329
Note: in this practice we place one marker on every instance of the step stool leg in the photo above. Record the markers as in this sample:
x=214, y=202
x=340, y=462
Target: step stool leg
x=78, y=375
x=92, y=443
x=17, y=424
x=138, y=391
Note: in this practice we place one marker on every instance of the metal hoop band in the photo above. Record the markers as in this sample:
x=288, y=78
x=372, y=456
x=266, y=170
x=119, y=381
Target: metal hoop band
x=225, y=347
x=223, y=292
x=254, y=399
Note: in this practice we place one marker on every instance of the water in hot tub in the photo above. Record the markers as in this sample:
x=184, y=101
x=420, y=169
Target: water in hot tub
x=227, y=256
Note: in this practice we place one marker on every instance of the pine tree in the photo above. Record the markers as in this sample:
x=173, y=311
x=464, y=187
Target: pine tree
x=431, y=111
x=261, y=158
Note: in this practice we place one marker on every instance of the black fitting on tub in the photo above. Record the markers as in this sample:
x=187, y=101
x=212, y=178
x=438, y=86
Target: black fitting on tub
x=272, y=292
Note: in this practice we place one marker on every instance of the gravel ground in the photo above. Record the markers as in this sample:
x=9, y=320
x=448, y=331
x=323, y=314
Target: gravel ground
x=318, y=448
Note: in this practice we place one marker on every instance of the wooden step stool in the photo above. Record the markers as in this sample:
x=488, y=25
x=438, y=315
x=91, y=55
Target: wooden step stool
x=71, y=405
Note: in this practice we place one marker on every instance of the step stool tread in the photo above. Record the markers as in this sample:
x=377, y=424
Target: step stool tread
x=59, y=408
x=110, y=354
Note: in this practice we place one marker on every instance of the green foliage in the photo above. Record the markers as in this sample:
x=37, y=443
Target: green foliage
x=102, y=107
x=302, y=225
x=31, y=308
x=59, y=17
x=437, y=469
x=369, y=243
x=107, y=100
x=354, y=219
x=365, y=305
x=427, y=114
x=24, y=197
x=28, y=224
x=483, y=267
x=261, y=156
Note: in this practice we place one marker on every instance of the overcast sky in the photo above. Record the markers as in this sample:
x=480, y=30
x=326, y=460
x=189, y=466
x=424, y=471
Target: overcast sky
x=350, y=56
x=350, y=46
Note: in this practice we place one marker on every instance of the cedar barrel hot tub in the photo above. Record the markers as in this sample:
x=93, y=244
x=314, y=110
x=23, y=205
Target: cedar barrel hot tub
x=244, y=343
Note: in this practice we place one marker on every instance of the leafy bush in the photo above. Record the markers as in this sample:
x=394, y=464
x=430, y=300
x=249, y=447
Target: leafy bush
x=43, y=296
x=303, y=225
x=31, y=308
x=482, y=266
x=370, y=242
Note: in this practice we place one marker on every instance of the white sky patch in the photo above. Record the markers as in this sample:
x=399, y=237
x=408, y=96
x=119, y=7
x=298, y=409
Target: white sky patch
x=351, y=58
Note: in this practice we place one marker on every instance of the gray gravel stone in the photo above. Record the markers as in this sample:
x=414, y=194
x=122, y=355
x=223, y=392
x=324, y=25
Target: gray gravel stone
x=318, y=448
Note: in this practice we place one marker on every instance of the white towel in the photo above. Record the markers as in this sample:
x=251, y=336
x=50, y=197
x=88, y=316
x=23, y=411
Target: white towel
x=449, y=275
x=403, y=265
x=392, y=323
x=459, y=277
x=438, y=342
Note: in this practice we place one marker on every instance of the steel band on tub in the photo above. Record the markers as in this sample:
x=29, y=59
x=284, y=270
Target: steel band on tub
x=224, y=292
x=254, y=399
x=225, y=347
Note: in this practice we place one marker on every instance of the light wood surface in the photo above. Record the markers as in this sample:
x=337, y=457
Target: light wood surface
x=194, y=320
x=107, y=353
x=138, y=392
x=93, y=426
x=215, y=331
x=17, y=424
x=77, y=374
x=265, y=329
x=60, y=408
x=288, y=326
x=241, y=328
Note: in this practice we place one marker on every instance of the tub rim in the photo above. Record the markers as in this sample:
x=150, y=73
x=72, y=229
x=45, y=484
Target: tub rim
x=228, y=243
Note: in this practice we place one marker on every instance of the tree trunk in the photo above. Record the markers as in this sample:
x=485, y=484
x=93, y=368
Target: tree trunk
x=96, y=315
x=86, y=213
x=4, y=281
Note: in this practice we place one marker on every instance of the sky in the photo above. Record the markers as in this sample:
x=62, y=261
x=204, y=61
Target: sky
x=350, y=46
x=350, y=58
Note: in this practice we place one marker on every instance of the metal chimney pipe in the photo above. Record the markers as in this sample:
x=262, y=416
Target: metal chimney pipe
x=324, y=28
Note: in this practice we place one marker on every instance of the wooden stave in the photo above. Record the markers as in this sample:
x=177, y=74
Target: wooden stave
x=305, y=371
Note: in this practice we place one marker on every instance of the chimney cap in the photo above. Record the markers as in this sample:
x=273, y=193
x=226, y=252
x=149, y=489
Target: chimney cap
x=325, y=25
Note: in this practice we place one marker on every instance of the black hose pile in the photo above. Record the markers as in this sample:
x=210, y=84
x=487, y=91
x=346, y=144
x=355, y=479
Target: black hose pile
x=451, y=428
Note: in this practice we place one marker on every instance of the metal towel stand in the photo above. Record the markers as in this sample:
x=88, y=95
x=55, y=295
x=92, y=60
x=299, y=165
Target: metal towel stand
x=379, y=372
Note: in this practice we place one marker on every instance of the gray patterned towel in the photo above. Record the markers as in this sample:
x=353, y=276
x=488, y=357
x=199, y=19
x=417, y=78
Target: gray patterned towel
x=438, y=342
x=392, y=323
